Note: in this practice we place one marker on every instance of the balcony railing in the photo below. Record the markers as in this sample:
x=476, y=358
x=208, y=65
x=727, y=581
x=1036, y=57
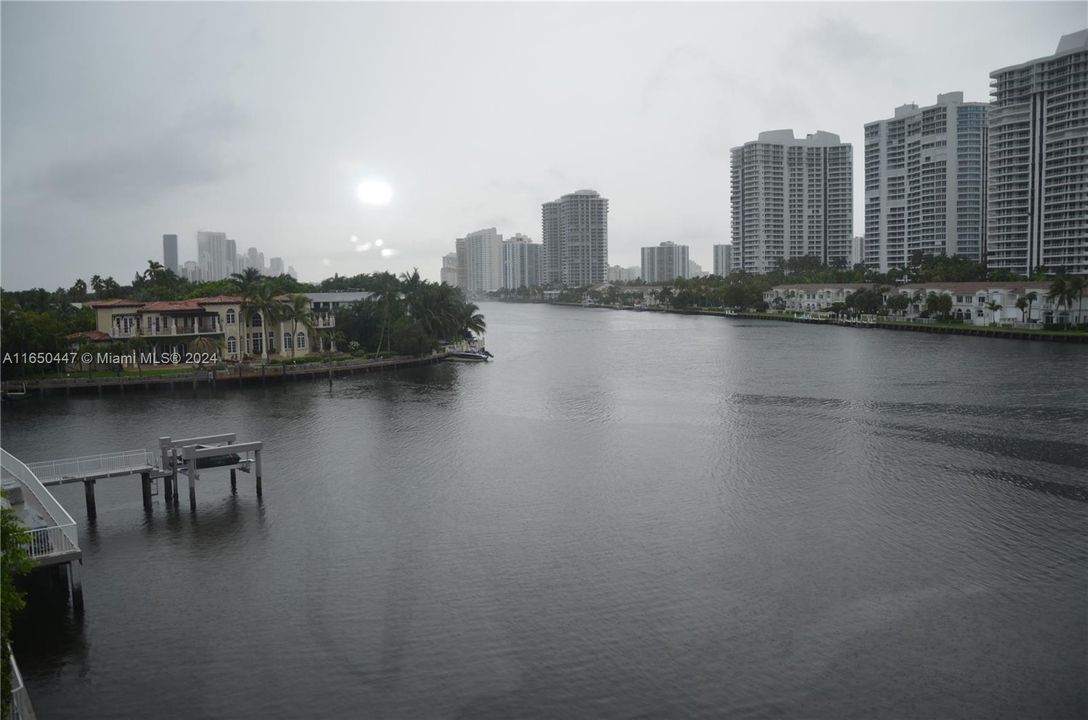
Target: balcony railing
x=168, y=331
x=58, y=536
x=21, y=709
x=92, y=465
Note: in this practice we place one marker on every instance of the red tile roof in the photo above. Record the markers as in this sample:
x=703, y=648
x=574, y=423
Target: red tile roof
x=171, y=306
x=216, y=300
x=115, y=302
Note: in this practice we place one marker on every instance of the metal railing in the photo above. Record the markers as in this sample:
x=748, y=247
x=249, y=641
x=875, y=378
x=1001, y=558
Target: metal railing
x=60, y=536
x=21, y=709
x=90, y=465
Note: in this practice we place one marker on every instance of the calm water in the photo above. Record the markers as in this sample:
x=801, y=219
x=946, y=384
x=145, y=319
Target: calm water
x=626, y=515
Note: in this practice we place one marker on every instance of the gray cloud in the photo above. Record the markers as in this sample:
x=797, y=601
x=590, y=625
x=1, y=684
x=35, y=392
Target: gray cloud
x=198, y=150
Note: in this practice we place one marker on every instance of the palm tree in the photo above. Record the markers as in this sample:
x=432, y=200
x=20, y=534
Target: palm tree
x=387, y=291
x=1032, y=297
x=298, y=312
x=1022, y=304
x=1076, y=287
x=261, y=299
x=993, y=307
x=471, y=320
x=1059, y=292
x=206, y=345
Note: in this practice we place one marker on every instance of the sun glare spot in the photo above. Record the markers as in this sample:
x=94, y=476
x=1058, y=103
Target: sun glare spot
x=374, y=191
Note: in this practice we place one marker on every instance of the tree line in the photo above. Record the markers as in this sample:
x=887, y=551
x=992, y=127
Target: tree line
x=409, y=315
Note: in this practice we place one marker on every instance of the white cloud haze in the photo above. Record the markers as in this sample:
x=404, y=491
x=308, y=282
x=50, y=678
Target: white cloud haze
x=121, y=122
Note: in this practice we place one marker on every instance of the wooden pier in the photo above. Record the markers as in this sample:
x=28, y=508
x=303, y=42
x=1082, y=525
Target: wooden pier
x=181, y=456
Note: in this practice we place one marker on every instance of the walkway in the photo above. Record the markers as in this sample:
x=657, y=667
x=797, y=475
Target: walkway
x=52, y=538
x=94, y=467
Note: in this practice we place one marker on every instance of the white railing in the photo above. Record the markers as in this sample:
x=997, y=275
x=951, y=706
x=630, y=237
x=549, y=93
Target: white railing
x=92, y=465
x=21, y=709
x=60, y=537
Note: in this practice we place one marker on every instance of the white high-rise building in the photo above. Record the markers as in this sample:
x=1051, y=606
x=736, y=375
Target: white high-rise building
x=232, y=257
x=448, y=274
x=212, y=255
x=575, y=233
x=791, y=197
x=191, y=271
x=857, y=251
x=617, y=273
x=723, y=260
x=275, y=266
x=521, y=262
x=1037, y=209
x=479, y=262
x=665, y=263
x=925, y=183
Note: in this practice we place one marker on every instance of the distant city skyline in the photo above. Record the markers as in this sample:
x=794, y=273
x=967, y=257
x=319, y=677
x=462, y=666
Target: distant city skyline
x=205, y=115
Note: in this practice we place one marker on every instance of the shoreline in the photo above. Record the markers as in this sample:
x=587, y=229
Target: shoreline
x=971, y=330
x=239, y=377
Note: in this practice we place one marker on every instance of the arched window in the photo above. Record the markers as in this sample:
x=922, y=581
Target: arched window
x=257, y=349
x=256, y=321
x=232, y=345
x=302, y=341
x=287, y=341
x=230, y=316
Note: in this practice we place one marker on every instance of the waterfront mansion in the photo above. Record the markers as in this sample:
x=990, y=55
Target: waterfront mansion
x=970, y=300
x=172, y=326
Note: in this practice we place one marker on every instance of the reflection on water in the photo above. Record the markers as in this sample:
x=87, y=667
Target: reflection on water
x=626, y=514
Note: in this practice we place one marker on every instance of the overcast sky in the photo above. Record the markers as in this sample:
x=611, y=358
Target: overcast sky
x=122, y=122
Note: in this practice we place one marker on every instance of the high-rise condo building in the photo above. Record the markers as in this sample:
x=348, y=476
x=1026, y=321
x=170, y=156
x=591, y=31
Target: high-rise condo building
x=232, y=257
x=925, y=183
x=170, y=253
x=723, y=259
x=449, y=269
x=617, y=273
x=575, y=233
x=191, y=271
x=212, y=257
x=1037, y=209
x=521, y=262
x=665, y=263
x=275, y=266
x=791, y=197
x=479, y=262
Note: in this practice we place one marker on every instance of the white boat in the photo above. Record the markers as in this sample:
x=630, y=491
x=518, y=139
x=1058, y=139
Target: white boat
x=471, y=355
x=471, y=351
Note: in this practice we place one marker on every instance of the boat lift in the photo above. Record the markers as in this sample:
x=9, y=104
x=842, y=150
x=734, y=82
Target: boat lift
x=189, y=455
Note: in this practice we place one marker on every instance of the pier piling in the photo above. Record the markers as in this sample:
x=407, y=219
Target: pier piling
x=192, y=483
x=88, y=492
x=257, y=469
x=75, y=586
x=145, y=486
